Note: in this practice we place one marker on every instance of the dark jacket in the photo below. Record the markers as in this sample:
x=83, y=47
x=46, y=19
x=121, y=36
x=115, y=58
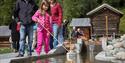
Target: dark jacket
x=25, y=11
x=12, y=26
x=14, y=33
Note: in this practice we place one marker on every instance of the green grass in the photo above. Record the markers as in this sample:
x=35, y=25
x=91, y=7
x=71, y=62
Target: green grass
x=122, y=22
x=5, y=50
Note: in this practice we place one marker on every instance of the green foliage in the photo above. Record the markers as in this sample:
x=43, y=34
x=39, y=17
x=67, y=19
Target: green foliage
x=115, y=3
x=122, y=23
x=6, y=7
x=37, y=2
x=78, y=8
x=61, y=2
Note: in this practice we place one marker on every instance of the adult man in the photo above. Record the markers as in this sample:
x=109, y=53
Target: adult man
x=24, y=10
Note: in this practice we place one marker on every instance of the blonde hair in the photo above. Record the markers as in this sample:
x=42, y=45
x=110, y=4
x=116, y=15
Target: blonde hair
x=44, y=2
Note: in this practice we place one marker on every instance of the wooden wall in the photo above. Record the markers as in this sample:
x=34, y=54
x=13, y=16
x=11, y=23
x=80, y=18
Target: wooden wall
x=98, y=21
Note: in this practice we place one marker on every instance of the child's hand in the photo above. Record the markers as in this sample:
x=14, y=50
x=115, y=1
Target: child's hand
x=38, y=20
x=18, y=23
x=18, y=26
x=48, y=34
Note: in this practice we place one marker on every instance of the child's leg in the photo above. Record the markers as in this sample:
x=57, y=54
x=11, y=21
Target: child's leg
x=39, y=42
x=46, y=38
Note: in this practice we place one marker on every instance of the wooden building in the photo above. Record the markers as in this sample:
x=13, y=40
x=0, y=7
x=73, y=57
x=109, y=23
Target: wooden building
x=105, y=20
x=84, y=25
x=4, y=36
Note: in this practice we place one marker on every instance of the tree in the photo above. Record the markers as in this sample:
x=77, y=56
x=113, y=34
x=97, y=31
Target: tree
x=99, y=1
x=78, y=8
x=115, y=3
x=6, y=7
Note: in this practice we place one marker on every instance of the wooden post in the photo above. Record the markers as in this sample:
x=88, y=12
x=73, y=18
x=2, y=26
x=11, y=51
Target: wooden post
x=91, y=32
x=106, y=25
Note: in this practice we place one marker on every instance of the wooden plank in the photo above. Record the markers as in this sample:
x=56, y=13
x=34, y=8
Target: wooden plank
x=102, y=26
x=4, y=44
x=103, y=31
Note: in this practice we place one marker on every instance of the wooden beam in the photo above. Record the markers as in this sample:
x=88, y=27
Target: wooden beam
x=106, y=17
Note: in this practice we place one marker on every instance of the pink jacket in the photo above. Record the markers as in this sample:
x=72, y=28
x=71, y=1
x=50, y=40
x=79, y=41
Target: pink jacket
x=43, y=20
x=56, y=12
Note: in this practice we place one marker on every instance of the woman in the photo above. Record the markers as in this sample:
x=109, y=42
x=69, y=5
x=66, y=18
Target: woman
x=56, y=14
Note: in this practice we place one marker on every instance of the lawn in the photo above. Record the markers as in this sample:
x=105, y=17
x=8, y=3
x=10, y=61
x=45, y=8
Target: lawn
x=4, y=50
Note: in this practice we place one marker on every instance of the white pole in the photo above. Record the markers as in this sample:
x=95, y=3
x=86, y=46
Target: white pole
x=54, y=38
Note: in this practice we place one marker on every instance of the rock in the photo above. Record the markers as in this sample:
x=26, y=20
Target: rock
x=120, y=55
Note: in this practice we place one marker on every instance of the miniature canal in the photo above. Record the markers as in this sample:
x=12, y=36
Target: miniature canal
x=87, y=58
x=84, y=57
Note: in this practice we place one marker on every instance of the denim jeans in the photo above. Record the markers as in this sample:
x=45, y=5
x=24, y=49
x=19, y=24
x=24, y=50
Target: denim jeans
x=26, y=30
x=34, y=36
x=55, y=34
x=60, y=35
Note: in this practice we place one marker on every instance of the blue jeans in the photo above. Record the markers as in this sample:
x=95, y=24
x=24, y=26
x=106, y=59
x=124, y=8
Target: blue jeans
x=55, y=34
x=26, y=30
x=60, y=35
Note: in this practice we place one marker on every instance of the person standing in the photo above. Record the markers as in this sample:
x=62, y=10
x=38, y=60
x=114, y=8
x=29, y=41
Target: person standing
x=79, y=32
x=25, y=9
x=15, y=35
x=73, y=33
x=42, y=17
x=34, y=36
x=56, y=14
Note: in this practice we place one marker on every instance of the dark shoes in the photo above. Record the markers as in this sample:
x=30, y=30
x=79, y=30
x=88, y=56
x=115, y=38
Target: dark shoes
x=19, y=55
x=29, y=55
x=32, y=50
x=23, y=55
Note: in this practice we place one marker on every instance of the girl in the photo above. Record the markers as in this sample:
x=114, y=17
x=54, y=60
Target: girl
x=43, y=19
x=56, y=14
